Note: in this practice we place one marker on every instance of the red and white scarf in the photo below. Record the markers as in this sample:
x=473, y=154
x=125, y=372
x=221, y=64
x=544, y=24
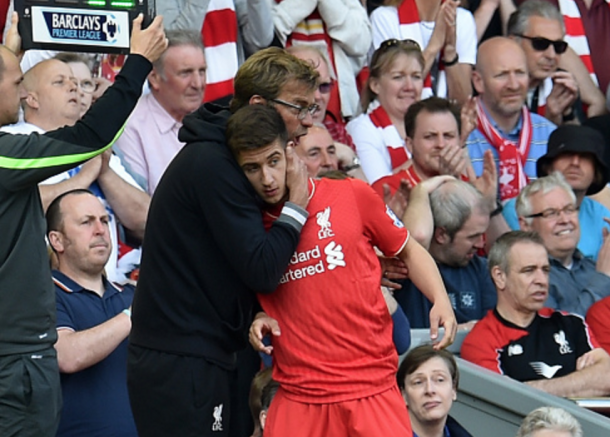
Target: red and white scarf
x=575, y=33
x=512, y=157
x=408, y=17
x=219, y=32
x=391, y=138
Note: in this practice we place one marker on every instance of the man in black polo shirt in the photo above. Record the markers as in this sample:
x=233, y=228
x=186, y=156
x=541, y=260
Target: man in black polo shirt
x=547, y=349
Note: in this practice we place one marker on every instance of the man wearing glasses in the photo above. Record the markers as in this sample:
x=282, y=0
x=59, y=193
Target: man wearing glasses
x=548, y=206
x=53, y=101
x=207, y=254
x=553, y=93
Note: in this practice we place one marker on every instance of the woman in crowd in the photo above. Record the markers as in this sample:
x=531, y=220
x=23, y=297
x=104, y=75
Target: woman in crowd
x=395, y=82
x=428, y=379
x=447, y=35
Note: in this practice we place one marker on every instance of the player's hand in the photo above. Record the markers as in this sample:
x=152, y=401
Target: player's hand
x=13, y=39
x=441, y=314
x=262, y=326
x=150, y=42
x=297, y=179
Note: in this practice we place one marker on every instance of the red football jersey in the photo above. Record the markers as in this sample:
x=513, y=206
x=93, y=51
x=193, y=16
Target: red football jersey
x=336, y=341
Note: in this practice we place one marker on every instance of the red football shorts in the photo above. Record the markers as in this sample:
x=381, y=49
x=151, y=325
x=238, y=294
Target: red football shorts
x=381, y=415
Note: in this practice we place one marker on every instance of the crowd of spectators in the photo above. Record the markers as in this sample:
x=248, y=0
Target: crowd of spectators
x=482, y=126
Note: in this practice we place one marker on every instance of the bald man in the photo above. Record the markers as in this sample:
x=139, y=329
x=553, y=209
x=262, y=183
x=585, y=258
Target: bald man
x=516, y=137
x=52, y=100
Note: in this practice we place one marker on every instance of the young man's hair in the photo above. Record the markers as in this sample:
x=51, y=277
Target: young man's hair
x=518, y=21
x=266, y=72
x=54, y=216
x=523, y=204
x=499, y=254
x=453, y=203
x=253, y=127
x=431, y=105
x=421, y=354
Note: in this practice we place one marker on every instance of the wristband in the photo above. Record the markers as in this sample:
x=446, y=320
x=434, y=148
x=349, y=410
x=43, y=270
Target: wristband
x=452, y=62
x=355, y=164
x=127, y=311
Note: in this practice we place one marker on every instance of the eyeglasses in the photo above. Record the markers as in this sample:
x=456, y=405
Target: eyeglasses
x=325, y=87
x=87, y=85
x=541, y=44
x=303, y=110
x=553, y=213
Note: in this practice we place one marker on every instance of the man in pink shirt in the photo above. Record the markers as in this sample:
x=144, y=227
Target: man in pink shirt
x=177, y=82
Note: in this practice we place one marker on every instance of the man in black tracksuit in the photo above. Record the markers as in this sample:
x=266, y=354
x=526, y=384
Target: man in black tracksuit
x=206, y=253
x=30, y=397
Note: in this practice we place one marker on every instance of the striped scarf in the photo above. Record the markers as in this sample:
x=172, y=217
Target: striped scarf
x=219, y=32
x=408, y=17
x=575, y=33
x=394, y=144
x=512, y=157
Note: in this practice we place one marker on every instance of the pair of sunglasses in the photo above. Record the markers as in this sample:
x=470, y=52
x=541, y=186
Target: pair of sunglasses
x=541, y=44
x=397, y=42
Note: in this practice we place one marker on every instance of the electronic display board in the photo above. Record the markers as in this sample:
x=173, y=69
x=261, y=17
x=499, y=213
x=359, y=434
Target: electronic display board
x=102, y=26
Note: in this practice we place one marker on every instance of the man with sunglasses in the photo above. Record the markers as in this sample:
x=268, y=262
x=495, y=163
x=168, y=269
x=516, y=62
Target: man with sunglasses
x=548, y=207
x=206, y=255
x=538, y=27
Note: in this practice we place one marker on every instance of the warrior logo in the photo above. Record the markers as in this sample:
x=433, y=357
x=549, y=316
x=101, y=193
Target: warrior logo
x=323, y=220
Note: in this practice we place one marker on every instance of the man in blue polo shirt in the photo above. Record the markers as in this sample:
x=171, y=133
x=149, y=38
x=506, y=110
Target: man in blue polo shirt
x=93, y=320
x=516, y=137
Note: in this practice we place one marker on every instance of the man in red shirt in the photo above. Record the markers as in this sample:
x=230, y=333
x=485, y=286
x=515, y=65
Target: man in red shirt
x=335, y=359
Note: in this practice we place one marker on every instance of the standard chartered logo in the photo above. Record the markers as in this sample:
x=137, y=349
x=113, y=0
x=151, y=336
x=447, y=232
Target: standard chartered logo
x=334, y=255
x=315, y=265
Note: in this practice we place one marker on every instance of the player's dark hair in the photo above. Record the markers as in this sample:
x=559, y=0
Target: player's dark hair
x=255, y=126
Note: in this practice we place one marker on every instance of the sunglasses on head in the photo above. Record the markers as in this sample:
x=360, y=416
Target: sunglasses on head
x=541, y=44
x=397, y=42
